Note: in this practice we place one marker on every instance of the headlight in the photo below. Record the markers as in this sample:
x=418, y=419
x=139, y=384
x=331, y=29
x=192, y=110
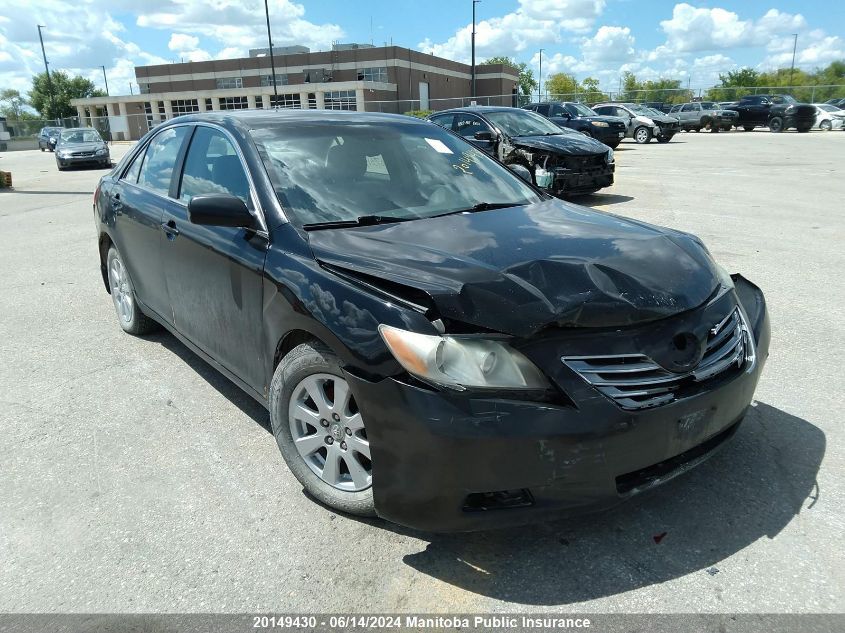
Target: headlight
x=52, y=140
x=102, y=150
x=609, y=158
x=63, y=153
x=599, y=124
x=461, y=362
x=646, y=120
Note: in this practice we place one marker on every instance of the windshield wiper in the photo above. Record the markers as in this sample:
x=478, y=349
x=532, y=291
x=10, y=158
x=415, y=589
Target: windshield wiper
x=481, y=206
x=362, y=220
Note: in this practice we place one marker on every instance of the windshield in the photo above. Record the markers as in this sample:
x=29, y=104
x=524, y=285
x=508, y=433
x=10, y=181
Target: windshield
x=80, y=136
x=579, y=109
x=636, y=107
x=709, y=105
x=518, y=122
x=335, y=172
x=784, y=99
x=653, y=112
x=828, y=108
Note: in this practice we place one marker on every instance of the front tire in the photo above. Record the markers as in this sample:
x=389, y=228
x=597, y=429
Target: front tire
x=804, y=128
x=748, y=128
x=776, y=124
x=320, y=431
x=129, y=315
x=826, y=126
x=642, y=135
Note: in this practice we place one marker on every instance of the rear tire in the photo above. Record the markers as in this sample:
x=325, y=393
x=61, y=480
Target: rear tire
x=664, y=138
x=776, y=124
x=642, y=135
x=313, y=367
x=826, y=126
x=803, y=128
x=41, y=148
x=130, y=317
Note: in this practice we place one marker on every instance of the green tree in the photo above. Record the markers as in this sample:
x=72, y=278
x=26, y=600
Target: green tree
x=734, y=85
x=591, y=91
x=562, y=87
x=12, y=104
x=662, y=90
x=64, y=88
x=527, y=83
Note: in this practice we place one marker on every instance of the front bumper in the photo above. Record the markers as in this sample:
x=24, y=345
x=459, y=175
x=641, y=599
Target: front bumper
x=437, y=455
x=609, y=135
x=572, y=181
x=74, y=161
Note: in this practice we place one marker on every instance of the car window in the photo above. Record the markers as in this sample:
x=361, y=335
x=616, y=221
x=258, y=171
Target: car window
x=543, y=108
x=444, y=120
x=131, y=174
x=212, y=165
x=674, y=109
x=467, y=125
x=160, y=159
x=622, y=112
x=80, y=136
x=690, y=107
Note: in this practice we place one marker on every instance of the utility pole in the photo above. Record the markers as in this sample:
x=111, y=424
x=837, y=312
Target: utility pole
x=474, y=2
x=47, y=70
x=106, y=80
x=130, y=88
x=794, y=47
x=270, y=42
x=540, y=80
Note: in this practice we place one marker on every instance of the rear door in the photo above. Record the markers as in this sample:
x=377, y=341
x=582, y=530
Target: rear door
x=214, y=274
x=139, y=199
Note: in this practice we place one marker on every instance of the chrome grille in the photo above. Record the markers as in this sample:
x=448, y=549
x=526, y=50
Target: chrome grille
x=78, y=154
x=634, y=381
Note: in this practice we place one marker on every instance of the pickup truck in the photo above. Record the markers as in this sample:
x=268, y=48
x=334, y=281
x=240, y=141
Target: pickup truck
x=698, y=115
x=777, y=112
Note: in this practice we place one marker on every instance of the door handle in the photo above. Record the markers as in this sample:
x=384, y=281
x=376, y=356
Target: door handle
x=115, y=201
x=170, y=229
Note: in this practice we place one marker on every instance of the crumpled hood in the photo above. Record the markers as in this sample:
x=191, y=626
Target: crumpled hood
x=662, y=119
x=573, y=143
x=519, y=269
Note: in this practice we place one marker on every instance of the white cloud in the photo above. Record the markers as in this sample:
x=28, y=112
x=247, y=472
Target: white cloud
x=183, y=42
x=609, y=44
x=534, y=23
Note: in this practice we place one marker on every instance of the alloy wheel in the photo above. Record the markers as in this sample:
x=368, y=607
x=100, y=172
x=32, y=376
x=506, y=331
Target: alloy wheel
x=121, y=292
x=328, y=432
x=642, y=135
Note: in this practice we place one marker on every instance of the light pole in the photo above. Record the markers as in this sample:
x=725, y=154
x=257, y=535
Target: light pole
x=794, y=47
x=540, y=80
x=270, y=42
x=105, y=79
x=47, y=70
x=474, y=2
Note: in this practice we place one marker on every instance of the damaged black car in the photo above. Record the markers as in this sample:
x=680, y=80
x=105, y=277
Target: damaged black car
x=437, y=342
x=561, y=161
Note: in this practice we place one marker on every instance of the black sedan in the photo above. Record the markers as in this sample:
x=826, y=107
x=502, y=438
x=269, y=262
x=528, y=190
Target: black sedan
x=610, y=130
x=561, y=161
x=437, y=342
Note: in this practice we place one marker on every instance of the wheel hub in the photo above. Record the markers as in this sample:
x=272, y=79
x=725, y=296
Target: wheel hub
x=337, y=431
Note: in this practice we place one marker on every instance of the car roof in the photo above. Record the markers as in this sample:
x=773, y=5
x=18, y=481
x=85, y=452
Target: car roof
x=480, y=109
x=256, y=119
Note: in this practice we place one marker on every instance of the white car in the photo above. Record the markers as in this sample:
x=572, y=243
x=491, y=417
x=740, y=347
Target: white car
x=829, y=117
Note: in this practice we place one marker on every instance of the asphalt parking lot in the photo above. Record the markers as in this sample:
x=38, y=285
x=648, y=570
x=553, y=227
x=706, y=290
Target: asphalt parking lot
x=136, y=479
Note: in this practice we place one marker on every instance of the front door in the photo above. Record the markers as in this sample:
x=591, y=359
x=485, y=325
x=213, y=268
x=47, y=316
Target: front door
x=214, y=273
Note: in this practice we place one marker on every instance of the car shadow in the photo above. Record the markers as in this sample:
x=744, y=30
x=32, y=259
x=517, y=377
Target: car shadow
x=749, y=491
x=601, y=199
x=214, y=378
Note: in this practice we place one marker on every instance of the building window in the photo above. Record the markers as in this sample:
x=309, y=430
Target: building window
x=288, y=102
x=373, y=74
x=184, y=106
x=148, y=110
x=161, y=113
x=315, y=75
x=209, y=103
x=267, y=80
x=233, y=103
x=144, y=88
x=230, y=82
x=341, y=100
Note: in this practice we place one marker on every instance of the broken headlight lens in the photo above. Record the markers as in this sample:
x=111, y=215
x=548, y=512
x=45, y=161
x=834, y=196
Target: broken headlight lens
x=543, y=178
x=609, y=158
x=460, y=362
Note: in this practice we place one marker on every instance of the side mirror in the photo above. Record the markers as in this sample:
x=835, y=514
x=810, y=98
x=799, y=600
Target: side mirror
x=484, y=136
x=523, y=172
x=220, y=209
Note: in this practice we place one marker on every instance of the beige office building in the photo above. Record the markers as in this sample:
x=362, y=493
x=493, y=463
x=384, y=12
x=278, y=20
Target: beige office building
x=348, y=77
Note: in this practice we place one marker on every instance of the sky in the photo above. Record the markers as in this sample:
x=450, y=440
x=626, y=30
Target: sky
x=692, y=41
